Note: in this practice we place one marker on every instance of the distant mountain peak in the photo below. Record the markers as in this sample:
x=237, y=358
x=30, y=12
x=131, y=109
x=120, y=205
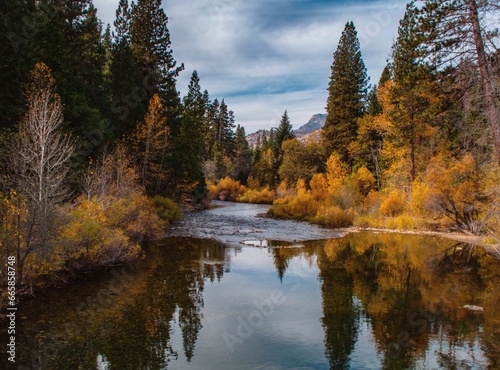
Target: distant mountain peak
x=315, y=123
x=304, y=133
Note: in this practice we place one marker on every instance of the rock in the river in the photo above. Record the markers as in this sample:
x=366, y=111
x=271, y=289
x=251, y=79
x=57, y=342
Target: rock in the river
x=471, y=307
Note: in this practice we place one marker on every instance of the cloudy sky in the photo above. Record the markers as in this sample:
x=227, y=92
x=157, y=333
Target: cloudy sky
x=265, y=56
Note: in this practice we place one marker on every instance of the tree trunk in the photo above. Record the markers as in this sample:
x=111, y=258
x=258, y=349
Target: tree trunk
x=492, y=113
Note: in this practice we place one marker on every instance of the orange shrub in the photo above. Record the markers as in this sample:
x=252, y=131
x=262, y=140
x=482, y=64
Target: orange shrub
x=394, y=204
x=336, y=171
x=300, y=207
x=364, y=181
x=334, y=217
x=262, y=196
x=319, y=186
x=227, y=189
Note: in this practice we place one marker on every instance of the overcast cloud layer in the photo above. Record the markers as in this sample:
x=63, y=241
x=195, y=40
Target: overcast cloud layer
x=265, y=56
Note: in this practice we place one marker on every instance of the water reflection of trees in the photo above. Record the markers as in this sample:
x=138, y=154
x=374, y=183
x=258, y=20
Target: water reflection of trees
x=340, y=315
x=132, y=328
x=412, y=291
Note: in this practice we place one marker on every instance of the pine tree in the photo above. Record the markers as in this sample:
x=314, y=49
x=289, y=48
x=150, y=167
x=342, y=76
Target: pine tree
x=242, y=161
x=281, y=134
x=225, y=129
x=16, y=43
x=212, y=124
x=70, y=43
x=188, y=146
x=408, y=99
x=127, y=93
x=151, y=43
x=346, y=94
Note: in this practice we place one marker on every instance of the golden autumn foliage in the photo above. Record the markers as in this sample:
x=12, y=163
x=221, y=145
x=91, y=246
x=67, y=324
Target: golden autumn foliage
x=336, y=171
x=459, y=191
x=364, y=181
x=226, y=189
x=260, y=196
x=232, y=190
x=394, y=204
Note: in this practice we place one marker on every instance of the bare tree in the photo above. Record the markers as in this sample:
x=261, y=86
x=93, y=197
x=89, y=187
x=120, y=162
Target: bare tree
x=40, y=158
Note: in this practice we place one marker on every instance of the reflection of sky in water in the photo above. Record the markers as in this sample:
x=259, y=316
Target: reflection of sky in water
x=288, y=335
x=286, y=331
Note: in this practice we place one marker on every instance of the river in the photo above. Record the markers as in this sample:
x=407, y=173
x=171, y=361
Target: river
x=228, y=289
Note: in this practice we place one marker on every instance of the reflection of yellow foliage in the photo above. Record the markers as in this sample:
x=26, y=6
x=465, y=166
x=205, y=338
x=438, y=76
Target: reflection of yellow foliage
x=331, y=249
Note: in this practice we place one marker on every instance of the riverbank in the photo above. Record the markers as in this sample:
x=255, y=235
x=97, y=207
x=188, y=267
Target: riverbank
x=239, y=223
x=460, y=237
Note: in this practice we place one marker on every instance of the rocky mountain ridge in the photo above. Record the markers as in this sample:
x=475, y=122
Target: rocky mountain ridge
x=309, y=131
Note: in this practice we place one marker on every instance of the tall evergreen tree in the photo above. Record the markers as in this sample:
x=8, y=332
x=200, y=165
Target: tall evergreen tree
x=151, y=43
x=127, y=94
x=212, y=122
x=158, y=71
x=225, y=129
x=281, y=134
x=242, y=161
x=17, y=29
x=188, y=147
x=347, y=91
x=409, y=96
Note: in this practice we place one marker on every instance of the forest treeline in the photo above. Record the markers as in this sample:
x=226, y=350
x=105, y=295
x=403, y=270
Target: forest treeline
x=418, y=150
x=98, y=148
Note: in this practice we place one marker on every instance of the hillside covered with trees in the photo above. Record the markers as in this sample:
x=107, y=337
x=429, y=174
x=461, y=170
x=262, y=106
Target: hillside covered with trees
x=98, y=149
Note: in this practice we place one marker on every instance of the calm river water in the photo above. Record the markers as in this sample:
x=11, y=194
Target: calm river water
x=315, y=300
